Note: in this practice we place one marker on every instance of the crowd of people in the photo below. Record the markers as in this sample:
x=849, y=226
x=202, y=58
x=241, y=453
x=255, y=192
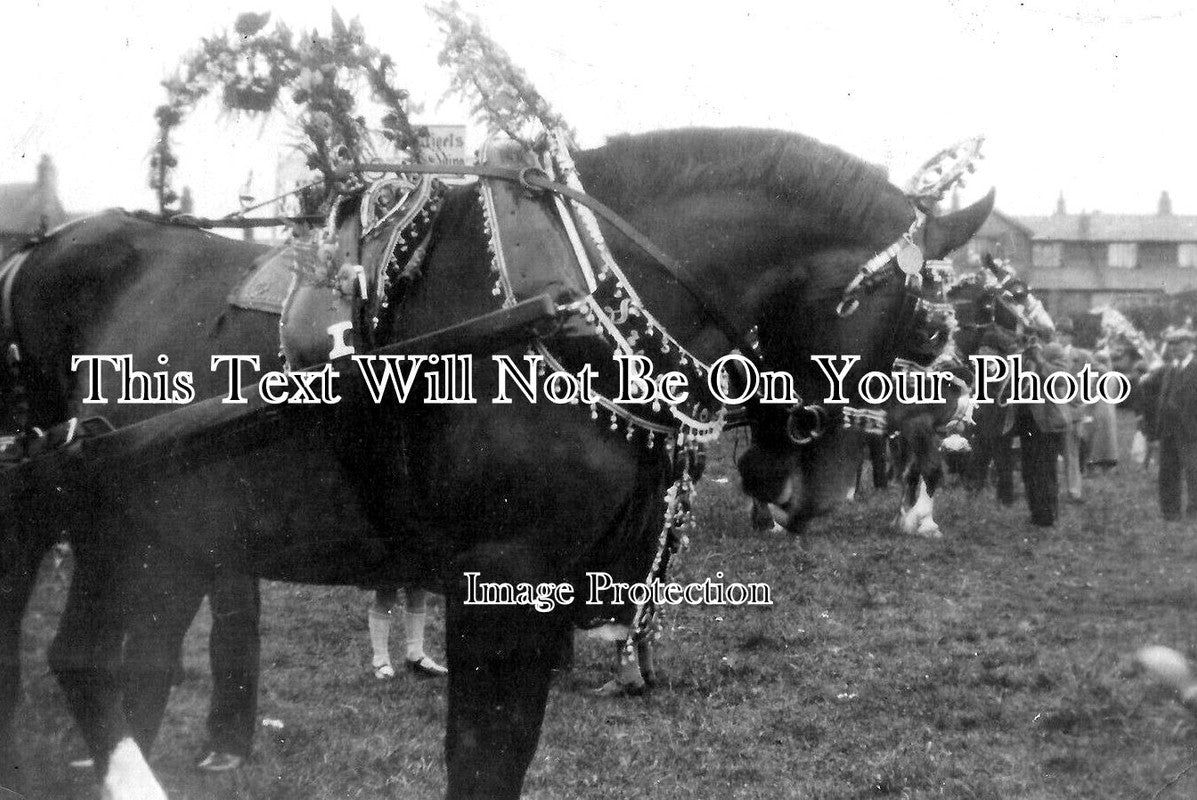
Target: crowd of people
x=1084, y=436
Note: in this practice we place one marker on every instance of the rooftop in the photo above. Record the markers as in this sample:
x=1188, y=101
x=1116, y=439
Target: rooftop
x=1098, y=227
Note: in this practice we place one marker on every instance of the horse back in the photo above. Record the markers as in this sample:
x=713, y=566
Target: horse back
x=117, y=284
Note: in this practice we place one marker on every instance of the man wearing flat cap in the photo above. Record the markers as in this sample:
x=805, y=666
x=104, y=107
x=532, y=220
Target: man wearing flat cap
x=1177, y=427
x=1040, y=428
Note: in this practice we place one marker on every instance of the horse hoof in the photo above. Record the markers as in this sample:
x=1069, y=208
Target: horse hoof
x=614, y=688
x=931, y=531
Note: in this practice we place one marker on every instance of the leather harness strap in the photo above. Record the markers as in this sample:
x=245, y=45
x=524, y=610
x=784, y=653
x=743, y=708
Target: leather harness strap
x=534, y=178
x=13, y=395
x=8, y=325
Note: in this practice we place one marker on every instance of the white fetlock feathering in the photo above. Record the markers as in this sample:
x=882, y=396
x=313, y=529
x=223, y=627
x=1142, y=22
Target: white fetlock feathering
x=129, y=776
x=916, y=519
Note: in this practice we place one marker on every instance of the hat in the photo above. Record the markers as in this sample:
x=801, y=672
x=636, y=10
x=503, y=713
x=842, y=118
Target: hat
x=1179, y=335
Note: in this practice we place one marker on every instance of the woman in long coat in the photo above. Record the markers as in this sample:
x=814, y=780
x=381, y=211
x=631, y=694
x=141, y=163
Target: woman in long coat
x=1103, y=443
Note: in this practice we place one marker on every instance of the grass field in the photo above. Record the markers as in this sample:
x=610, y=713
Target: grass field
x=990, y=664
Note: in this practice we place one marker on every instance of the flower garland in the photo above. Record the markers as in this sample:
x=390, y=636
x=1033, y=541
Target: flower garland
x=503, y=96
x=251, y=68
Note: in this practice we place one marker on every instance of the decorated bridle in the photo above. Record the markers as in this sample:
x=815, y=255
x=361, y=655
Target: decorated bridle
x=632, y=325
x=939, y=174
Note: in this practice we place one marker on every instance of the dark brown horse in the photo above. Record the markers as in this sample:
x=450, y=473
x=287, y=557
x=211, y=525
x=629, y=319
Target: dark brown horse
x=989, y=316
x=374, y=493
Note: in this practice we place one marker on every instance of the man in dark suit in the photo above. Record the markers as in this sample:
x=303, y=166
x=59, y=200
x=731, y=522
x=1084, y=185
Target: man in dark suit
x=1177, y=428
x=1040, y=428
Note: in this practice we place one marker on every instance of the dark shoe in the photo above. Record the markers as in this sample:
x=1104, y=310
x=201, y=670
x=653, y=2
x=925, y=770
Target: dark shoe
x=220, y=762
x=425, y=667
x=613, y=688
x=1043, y=523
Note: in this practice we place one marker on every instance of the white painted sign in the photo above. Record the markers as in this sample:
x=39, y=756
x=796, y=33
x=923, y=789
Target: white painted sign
x=444, y=144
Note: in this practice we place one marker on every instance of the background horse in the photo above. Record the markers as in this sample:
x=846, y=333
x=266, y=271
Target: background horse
x=993, y=321
x=64, y=290
x=525, y=492
x=988, y=319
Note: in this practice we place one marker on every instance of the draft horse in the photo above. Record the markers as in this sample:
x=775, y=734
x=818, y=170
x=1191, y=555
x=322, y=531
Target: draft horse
x=991, y=312
x=773, y=224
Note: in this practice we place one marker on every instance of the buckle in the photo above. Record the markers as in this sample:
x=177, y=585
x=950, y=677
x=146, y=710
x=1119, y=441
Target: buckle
x=526, y=174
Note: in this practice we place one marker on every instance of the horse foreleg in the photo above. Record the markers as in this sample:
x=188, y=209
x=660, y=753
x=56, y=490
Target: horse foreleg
x=927, y=525
x=565, y=655
x=762, y=518
x=500, y=667
x=169, y=593
x=629, y=676
x=17, y=578
x=916, y=515
x=85, y=658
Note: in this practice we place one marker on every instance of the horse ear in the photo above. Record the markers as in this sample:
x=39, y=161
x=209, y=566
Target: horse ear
x=951, y=231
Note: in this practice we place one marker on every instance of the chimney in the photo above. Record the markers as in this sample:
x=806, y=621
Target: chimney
x=186, y=204
x=1082, y=225
x=1164, y=209
x=47, y=176
x=1060, y=209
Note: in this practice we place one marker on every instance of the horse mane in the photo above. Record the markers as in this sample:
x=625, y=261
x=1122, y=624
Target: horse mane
x=846, y=190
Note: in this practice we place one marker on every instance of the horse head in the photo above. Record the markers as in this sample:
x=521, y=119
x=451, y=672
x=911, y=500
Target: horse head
x=995, y=310
x=776, y=226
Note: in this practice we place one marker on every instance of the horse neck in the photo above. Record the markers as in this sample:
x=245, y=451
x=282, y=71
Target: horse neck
x=729, y=255
x=743, y=246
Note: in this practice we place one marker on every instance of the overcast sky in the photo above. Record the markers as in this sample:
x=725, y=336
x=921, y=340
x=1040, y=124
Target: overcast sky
x=1090, y=97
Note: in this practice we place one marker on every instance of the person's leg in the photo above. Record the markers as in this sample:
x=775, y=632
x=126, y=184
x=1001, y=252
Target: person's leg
x=976, y=470
x=234, y=649
x=1038, y=452
x=878, y=457
x=1003, y=468
x=414, y=620
x=1170, y=478
x=1072, y=463
x=379, y=621
x=1189, y=462
x=1052, y=444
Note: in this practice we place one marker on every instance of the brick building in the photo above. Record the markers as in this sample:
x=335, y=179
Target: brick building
x=1076, y=262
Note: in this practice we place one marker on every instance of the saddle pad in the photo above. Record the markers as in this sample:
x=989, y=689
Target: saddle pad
x=532, y=245
x=265, y=286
